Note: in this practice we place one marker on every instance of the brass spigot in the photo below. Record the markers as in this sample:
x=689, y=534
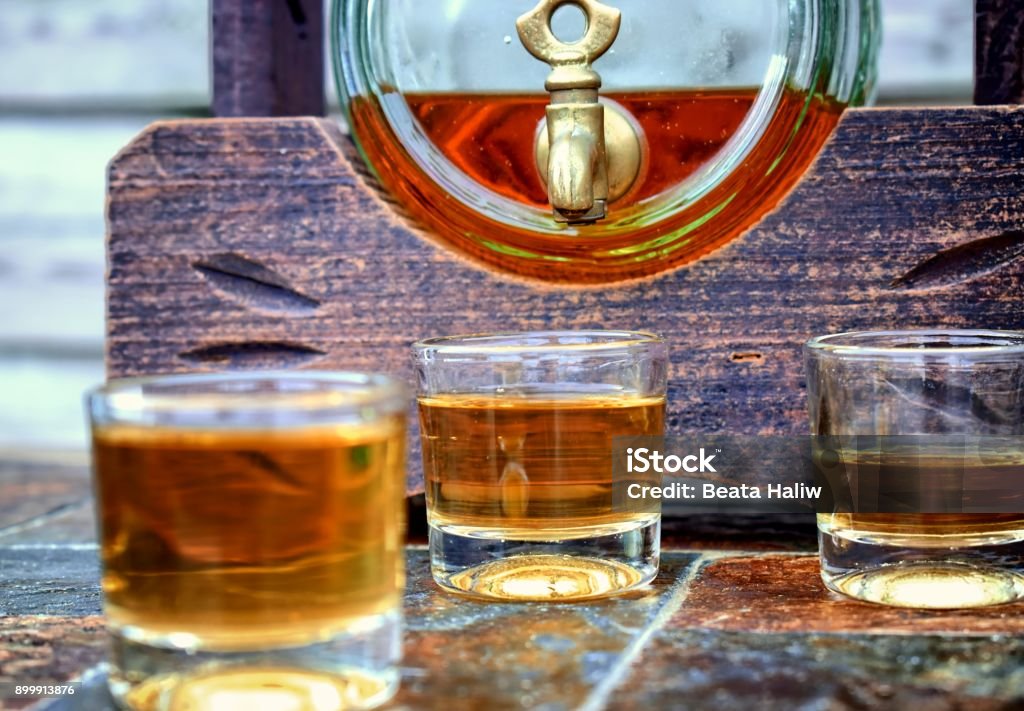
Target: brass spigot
x=577, y=156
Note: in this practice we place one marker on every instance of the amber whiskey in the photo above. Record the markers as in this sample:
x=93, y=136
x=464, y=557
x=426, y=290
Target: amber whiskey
x=250, y=539
x=525, y=468
x=490, y=138
x=933, y=481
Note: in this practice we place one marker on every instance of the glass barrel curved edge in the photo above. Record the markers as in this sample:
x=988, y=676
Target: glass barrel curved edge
x=461, y=161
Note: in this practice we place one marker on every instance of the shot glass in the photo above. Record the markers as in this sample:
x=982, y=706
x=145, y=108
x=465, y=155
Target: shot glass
x=517, y=433
x=932, y=393
x=251, y=531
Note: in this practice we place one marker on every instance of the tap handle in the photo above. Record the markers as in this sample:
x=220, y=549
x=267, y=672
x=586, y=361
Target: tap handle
x=570, y=62
x=577, y=161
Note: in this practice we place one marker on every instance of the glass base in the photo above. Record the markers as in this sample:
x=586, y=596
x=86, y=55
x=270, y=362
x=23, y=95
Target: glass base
x=923, y=577
x=484, y=565
x=354, y=670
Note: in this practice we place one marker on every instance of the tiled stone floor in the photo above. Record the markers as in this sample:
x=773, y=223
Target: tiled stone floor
x=736, y=620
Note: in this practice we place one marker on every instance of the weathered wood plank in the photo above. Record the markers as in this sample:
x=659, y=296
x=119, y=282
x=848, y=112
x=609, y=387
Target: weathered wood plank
x=999, y=52
x=268, y=58
x=890, y=191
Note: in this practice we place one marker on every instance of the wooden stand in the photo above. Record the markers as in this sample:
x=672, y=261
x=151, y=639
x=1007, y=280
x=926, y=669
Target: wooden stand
x=255, y=243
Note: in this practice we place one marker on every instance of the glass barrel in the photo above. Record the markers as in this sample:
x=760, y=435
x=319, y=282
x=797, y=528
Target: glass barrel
x=730, y=102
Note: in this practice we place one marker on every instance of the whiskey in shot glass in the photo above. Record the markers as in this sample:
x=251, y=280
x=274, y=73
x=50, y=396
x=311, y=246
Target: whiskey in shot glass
x=517, y=434
x=937, y=418
x=251, y=537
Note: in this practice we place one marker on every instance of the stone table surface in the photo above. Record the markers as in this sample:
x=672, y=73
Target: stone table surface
x=737, y=619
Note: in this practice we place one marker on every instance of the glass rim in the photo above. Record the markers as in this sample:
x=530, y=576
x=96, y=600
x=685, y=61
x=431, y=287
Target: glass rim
x=523, y=342
x=871, y=344
x=331, y=391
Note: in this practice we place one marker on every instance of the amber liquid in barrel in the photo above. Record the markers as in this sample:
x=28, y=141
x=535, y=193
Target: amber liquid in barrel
x=529, y=468
x=246, y=539
x=491, y=138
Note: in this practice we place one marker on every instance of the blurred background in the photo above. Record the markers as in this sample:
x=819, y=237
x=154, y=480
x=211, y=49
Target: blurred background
x=79, y=78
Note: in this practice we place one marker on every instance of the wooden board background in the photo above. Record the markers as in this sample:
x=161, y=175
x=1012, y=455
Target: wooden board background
x=268, y=57
x=998, y=52
x=239, y=244
x=79, y=79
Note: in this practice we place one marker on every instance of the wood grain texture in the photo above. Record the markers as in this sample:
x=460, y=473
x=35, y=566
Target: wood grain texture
x=892, y=189
x=250, y=282
x=964, y=261
x=999, y=52
x=268, y=58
